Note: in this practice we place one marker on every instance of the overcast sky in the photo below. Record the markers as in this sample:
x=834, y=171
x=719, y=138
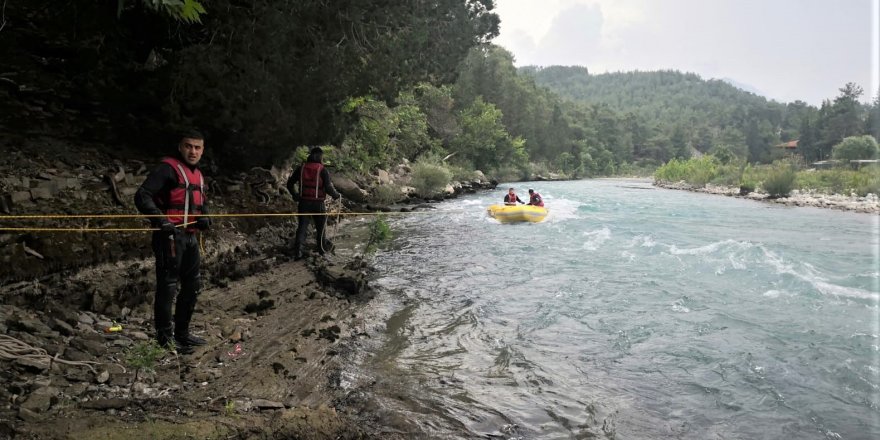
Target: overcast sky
x=786, y=49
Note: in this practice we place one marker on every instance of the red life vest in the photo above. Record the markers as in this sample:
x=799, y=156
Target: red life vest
x=185, y=201
x=535, y=200
x=311, y=186
x=510, y=199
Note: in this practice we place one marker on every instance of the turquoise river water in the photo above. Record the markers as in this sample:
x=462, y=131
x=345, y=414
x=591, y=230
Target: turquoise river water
x=633, y=312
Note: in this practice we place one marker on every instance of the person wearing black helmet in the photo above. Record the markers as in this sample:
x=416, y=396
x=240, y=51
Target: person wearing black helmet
x=535, y=198
x=310, y=185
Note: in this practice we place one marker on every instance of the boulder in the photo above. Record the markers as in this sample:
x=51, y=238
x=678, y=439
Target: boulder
x=41, y=400
x=349, y=189
x=384, y=177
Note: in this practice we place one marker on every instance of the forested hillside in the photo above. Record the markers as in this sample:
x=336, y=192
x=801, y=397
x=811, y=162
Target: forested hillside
x=376, y=83
x=710, y=114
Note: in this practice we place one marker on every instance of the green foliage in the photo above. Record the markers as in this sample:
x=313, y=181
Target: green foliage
x=380, y=232
x=840, y=181
x=696, y=171
x=430, y=179
x=780, y=180
x=461, y=172
x=188, y=11
x=484, y=141
x=856, y=148
x=143, y=355
x=387, y=194
x=229, y=408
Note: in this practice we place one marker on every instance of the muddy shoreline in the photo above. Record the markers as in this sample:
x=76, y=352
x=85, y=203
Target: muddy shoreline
x=283, y=335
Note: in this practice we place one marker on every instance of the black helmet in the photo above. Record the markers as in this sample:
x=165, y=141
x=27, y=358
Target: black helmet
x=531, y=190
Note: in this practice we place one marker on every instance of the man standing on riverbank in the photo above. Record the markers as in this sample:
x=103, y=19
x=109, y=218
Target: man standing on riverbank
x=174, y=192
x=310, y=184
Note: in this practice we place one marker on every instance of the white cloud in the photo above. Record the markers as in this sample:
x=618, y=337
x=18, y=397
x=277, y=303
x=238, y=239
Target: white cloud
x=791, y=49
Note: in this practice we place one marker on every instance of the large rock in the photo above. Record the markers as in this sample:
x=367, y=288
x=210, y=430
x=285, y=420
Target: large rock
x=349, y=189
x=41, y=399
x=384, y=177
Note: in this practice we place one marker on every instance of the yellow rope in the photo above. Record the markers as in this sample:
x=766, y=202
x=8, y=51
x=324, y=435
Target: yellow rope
x=117, y=216
x=264, y=214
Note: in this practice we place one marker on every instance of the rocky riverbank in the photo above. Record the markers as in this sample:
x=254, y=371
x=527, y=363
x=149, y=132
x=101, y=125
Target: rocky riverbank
x=853, y=202
x=279, y=331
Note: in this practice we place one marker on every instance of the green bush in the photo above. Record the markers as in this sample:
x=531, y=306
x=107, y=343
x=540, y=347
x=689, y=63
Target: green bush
x=856, y=148
x=780, y=181
x=143, y=356
x=696, y=171
x=430, y=179
x=387, y=194
x=840, y=181
x=461, y=173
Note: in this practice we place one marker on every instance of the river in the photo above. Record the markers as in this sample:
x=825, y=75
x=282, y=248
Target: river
x=632, y=312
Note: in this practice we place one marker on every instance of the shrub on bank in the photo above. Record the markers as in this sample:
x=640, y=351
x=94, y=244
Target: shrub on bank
x=430, y=179
x=780, y=181
x=841, y=181
x=388, y=194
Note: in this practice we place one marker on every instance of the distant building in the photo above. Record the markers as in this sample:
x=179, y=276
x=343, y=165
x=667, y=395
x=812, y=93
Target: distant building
x=825, y=164
x=789, y=146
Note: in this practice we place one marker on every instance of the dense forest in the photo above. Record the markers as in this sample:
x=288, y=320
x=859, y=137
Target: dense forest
x=377, y=82
x=686, y=110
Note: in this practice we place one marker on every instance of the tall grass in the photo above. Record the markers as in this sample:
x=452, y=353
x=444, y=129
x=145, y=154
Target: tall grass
x=777, y=180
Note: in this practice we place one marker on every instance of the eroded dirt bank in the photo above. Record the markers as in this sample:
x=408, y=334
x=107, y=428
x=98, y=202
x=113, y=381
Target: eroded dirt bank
x=281, y=333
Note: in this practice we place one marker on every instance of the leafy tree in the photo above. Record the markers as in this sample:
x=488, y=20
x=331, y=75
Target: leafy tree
x=857, y=148
x=484, y=140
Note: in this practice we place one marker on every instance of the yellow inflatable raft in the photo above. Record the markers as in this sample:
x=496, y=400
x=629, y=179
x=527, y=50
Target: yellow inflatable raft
x=517, y=213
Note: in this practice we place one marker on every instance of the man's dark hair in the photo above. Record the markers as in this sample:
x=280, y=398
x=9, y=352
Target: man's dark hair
x=191, y=134
x=317, y=151
x=510, y=189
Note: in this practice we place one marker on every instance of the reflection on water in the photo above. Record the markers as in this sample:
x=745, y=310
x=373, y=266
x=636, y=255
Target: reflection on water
x=634, y=313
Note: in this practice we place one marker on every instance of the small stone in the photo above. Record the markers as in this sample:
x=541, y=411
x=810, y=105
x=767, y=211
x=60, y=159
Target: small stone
x=139, y=387
x=104, y=324
x=32, y=364
x=41, y=399
x=122, y=342
x=236, y=335
x=125, y=312
x=103, y=377
x=267, y=404
x=62, y=327
x=86, y=319
x=28, y=415
x=75, y=355
x=18, y=197
x=41, y=193
x=94, y=348
x=105, y=404
x=140, y=336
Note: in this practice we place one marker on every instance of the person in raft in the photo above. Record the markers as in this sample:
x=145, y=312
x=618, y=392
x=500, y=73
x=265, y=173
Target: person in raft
x=535, y=198
x=174, y=194
x=310, y=185
x=511, y=198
